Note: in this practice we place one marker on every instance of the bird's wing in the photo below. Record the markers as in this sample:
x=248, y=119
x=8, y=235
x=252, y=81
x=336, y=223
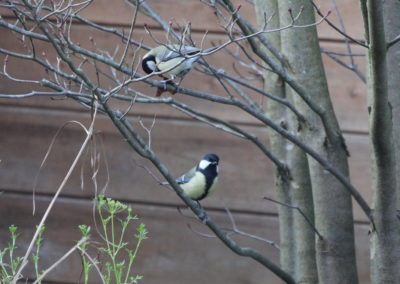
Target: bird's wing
x=186, y=177
x=178, y=51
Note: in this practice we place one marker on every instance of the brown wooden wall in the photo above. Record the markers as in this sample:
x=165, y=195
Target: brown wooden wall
x=173, y=253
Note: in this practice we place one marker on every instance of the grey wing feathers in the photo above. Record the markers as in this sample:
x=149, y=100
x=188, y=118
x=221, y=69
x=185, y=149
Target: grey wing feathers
x=186, y=177
x=178, y=51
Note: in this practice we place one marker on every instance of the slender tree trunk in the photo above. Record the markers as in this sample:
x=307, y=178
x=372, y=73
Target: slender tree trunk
x=278, y=112
x=385, y=247
x=392, y=30
x=306, y=266
x=332, y=204
x=297, y=237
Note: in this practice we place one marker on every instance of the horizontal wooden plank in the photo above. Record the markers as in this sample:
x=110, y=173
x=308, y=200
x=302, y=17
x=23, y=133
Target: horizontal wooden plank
x=202, y=17
x=246, y=176
x=347, y=91
x=180, y=145
x=171, y=254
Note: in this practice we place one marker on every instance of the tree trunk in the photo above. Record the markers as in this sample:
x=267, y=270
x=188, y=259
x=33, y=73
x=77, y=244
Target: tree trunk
x=297, y=237
x=392, y=30
x=332, y=204
x=278, y=113
x=385, y=240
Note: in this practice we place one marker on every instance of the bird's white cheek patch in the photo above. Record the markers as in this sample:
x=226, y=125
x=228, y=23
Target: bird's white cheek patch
x=152, y=65
x=204, y=164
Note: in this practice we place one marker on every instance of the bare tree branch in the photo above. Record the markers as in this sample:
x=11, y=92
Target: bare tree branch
x=343, y=33
x=393, y=41
x=300, y=211
x=351, y=67
x=138, y=144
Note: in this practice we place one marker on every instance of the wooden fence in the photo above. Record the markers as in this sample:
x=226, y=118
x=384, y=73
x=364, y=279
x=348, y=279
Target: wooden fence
x=173, y=253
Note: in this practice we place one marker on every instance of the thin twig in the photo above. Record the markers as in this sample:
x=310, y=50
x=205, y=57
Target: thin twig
x=148, y=129
x=342, y=63
x=300, y=211
x=46, y=156
x=130, y=33
x=336, y=28
x=237, y=231
x=393, y=41
x=58, y=262
x=94, y=264
x=24, y=261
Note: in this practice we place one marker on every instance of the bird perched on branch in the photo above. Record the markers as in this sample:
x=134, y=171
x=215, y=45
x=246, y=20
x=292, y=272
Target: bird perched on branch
x=175, y=60
x=201, y=181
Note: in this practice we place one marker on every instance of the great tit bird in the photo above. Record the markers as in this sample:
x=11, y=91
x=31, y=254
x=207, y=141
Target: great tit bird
x=162, y=58
x=201, y=181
